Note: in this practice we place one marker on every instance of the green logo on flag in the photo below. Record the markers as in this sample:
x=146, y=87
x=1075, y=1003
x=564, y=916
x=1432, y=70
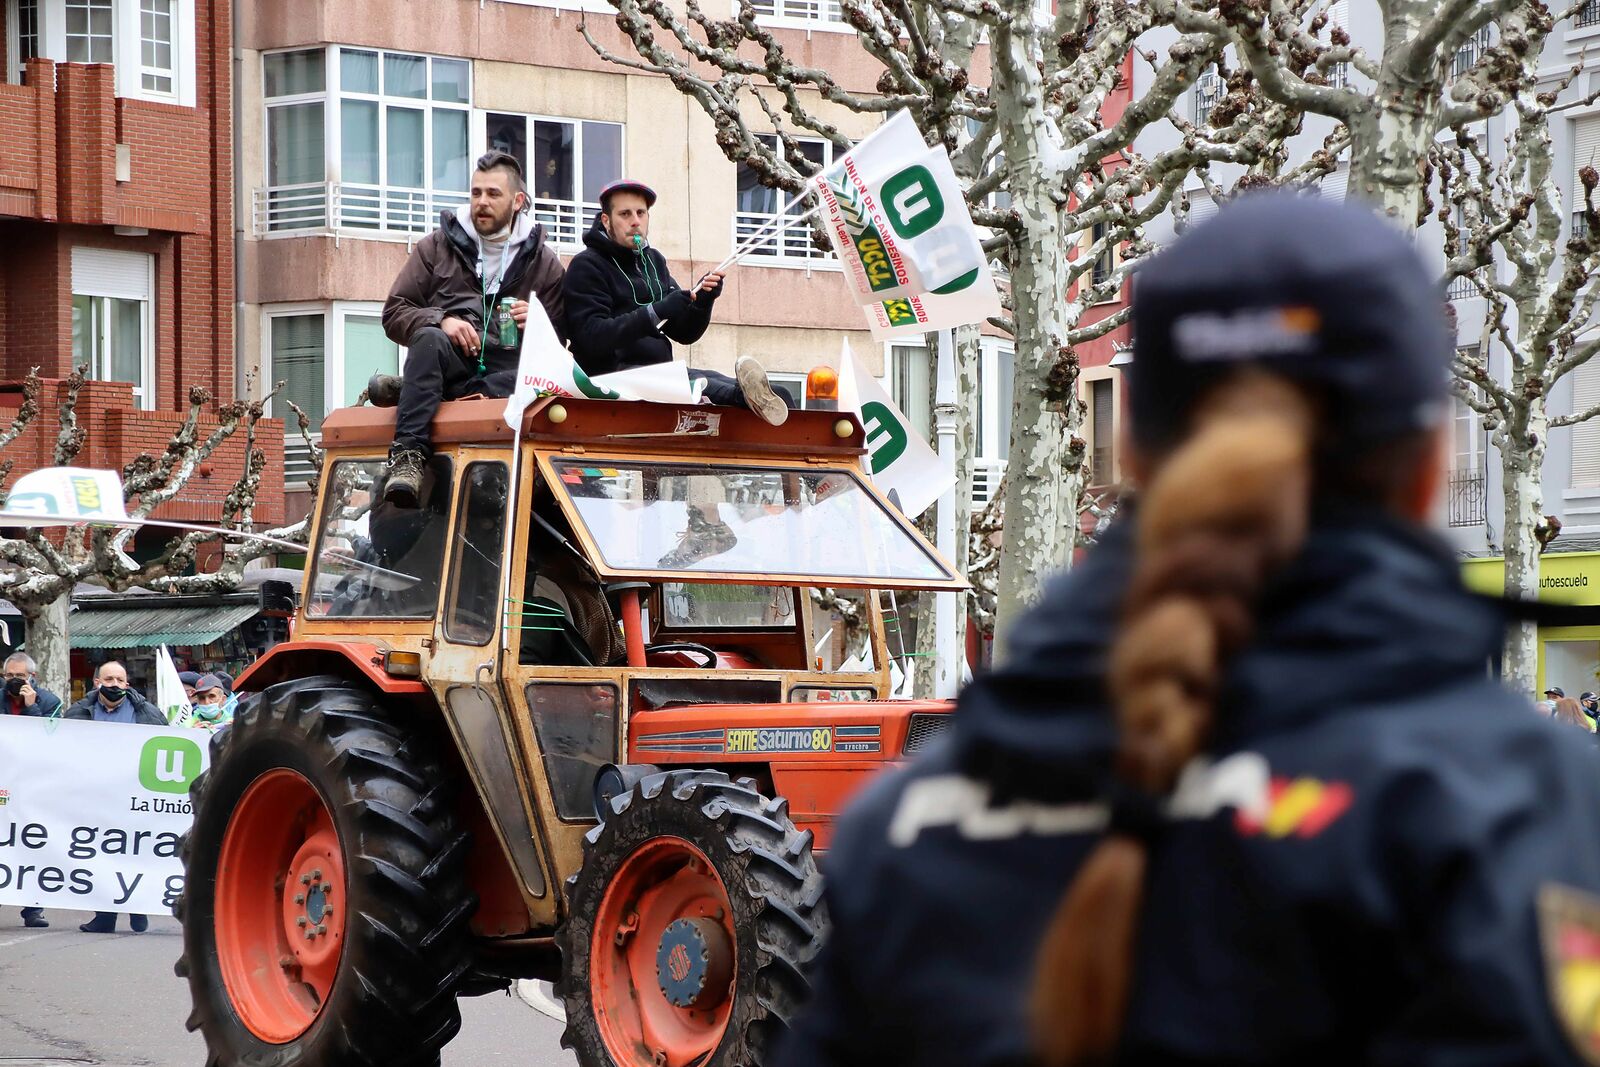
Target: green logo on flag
x=959, y=284
x=886, y=437
x=899, y=312
x=169, y=764
x=591, y=390
x=864, y=235
x=915, y=206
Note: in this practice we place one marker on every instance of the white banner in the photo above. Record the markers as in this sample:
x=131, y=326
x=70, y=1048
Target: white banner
x=73, y=494
x=904, y=467
x=91, y=812
x=545, y=368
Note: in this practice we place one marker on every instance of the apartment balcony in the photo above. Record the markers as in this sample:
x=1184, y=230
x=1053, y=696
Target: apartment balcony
x=1469, y=498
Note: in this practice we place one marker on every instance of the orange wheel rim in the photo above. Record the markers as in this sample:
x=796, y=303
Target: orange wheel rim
x=662, y=961
x=281, y=902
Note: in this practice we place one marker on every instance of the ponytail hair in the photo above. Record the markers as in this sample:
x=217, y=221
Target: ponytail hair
x=1228, y=507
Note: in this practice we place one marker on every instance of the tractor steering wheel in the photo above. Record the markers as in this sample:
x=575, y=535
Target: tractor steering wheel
x=686, y=646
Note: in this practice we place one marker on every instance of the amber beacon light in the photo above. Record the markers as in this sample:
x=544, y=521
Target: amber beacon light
x=822, y=389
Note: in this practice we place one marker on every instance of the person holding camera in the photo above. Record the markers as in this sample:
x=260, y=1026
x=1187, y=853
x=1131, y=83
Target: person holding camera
x=24, y=696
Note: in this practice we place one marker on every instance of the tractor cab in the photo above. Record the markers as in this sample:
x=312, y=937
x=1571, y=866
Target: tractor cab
x=640, y=645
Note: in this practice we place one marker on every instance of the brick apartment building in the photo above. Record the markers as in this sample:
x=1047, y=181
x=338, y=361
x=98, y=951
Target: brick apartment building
x=357, y=128
x=116, y=225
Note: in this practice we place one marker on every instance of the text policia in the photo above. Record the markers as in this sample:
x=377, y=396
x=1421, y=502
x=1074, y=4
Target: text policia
x=85, y=843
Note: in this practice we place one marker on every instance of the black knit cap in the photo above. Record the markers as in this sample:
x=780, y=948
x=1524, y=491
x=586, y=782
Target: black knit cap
x=1327, y=294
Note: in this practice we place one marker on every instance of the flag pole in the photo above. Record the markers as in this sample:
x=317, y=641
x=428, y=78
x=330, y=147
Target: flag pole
x=778, y=222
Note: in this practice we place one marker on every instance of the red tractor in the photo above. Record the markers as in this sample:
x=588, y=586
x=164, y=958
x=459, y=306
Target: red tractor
x=585, y=714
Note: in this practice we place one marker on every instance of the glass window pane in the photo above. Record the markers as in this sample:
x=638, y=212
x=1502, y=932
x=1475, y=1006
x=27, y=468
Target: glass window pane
x=552, y=160
x=85, y=335
x=294, y=145
x=1005, y=373
x=127, y=342
x=675, y=518
x=358, y=71
x=753, y=196
x=358, y=141
x=450, y=78
x=405, y=147
x=405, y=75
x=507, y=133
x=449, y=149
x=77, y=21
x=479, y=548
x=289, y=73
x=297, y=362
x=1101, y=429
x=367, y=351
x=373, y=559
x=602, y=157
x=703, y=606
x=912, y=386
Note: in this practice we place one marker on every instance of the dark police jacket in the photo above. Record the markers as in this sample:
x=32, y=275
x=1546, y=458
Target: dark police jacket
x=1358, y=878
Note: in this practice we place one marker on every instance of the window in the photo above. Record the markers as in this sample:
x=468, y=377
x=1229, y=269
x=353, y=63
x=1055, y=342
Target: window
x=1586, y=435
x=569, y=163
x=1102, y=431
x=760, y=210
x=1106, y=261
x=823, y=11
x=992, y=425
x=112, y=323
x=911, y=385
x=1208, y=90
x=1585, y=153
x=1467, y=55
x=89, y=31
x=1338, y=75
x=792, y=383
x=22, y=20
x=155, y=45
x=324, y=356
x=1462, y=288
x=1588, y=15
x=400, y=123
x=374, y=560
x=479, y=548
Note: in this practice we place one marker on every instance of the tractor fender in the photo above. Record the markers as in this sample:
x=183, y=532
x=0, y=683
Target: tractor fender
x=297, y=659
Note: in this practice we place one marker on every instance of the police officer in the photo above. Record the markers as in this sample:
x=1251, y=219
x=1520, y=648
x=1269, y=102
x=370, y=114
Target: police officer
x=1243, y=793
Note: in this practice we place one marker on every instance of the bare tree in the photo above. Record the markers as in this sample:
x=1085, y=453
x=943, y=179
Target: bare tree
x=1502, y=215
x=1038, y=132
x=46, y=565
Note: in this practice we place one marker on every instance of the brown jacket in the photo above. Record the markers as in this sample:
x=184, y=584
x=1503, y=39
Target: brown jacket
x=441, y=278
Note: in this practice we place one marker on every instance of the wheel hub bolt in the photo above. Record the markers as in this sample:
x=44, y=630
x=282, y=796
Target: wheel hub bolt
x=299, y=898
x=305, y=879
x=321, y=929
x=300, y=921
x=311, y=935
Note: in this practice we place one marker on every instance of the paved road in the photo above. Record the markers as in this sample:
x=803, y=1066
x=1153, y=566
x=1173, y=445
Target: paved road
x=69, y=998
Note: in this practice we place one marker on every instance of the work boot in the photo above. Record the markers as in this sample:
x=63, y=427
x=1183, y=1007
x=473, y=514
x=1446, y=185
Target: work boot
x=139, y=923
x=383, y=390
x=404, y=486
x=703, y=537
x=758, y=394
x=33, y=919
x=104, y=922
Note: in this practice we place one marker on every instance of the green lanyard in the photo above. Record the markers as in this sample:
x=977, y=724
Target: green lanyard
x=491, y=297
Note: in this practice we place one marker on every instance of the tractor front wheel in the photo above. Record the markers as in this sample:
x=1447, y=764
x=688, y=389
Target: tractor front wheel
x=325, y=904
x=689, y=925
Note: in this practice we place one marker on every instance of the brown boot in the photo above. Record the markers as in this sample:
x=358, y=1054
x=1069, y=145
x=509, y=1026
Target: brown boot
x=706, y=535
x=758, y=394
x=383, y=390
x=404, y=486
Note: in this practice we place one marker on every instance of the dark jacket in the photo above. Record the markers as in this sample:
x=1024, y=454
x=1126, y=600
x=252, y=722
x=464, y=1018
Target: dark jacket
x=144, y=712
x=44, y=703
x=614, y=306
x=1384, y=912
x=441, y=278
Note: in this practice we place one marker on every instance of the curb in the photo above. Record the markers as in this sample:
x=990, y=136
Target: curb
x=541, y=998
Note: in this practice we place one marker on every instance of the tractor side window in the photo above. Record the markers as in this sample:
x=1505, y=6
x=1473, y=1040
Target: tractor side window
x=479, y=548
x=372, y=559
x=576, y=724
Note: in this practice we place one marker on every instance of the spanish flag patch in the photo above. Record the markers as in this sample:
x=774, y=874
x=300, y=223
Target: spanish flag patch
x=1297, y=807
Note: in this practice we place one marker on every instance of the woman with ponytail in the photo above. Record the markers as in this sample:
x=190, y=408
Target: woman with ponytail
x=1244, y=791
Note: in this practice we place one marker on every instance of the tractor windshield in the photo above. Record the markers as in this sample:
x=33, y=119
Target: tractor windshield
x=748, y=524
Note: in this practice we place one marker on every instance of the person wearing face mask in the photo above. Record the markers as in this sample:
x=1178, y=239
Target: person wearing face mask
x=624, y=309
x=213, y=704
x=24, y=696
x=112, y=701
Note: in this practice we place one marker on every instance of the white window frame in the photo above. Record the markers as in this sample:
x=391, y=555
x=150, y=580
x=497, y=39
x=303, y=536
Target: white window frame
x=789, y=15
x=746, y=224
x=116, y=34
x=564, y=237
x=144, y=391
x=363, y=201
x=13, y=42
x=1208, y=92
x=169, y=72
x=794, y=381
x=601, y=7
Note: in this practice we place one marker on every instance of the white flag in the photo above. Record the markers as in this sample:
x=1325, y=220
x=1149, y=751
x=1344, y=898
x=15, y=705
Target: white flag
x=53, y=495
x=546, y=368
x=898, y=219
x=170, y=697
x=904, y=467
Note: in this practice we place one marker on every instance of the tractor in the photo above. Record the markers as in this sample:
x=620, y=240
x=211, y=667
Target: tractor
x=585, y=714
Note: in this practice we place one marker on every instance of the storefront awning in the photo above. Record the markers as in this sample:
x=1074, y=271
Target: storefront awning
x=137, y=627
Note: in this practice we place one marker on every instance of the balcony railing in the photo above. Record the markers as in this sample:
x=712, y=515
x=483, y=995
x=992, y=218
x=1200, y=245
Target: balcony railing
x=1462, y=288
x=344, y=207
x=564, y=220
x=803, y=10
x=789, y=240
x=1468, y=53
x=1469, y=498
x=1588, y=15
x=986, y=477
x=1208, y=91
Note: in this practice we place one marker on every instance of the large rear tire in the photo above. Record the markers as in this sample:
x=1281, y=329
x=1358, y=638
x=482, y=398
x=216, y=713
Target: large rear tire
x=689, y=926
x=325, y=906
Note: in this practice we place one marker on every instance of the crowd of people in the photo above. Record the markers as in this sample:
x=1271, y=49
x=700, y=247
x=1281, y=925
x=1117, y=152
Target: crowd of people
x=110, y=699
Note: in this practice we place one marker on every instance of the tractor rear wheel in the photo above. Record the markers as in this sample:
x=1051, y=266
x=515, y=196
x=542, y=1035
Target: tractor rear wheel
x=325, y=905
x=689, y=926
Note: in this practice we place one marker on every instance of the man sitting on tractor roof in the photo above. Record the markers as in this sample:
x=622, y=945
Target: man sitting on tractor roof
x=446, y=309
x=624, y=309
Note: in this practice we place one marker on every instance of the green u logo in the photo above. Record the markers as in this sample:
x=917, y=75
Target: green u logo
x=915, y=206
x=169, y=764
x=886, y=437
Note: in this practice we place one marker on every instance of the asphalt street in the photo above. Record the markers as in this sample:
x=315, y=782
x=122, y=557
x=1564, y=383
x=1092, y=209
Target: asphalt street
x=69, y=998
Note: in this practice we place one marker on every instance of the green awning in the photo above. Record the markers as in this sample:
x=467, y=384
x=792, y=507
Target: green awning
x=135, y=627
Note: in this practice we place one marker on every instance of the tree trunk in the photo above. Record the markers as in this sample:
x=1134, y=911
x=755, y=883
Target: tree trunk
x=47, y=642
x=969, y=365
x=1524, y=511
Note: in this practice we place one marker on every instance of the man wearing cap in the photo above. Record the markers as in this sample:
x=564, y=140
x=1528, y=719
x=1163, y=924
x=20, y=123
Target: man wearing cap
x=212, y=703
x=624, y=309
x=1555, y=692
x=444, y=310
